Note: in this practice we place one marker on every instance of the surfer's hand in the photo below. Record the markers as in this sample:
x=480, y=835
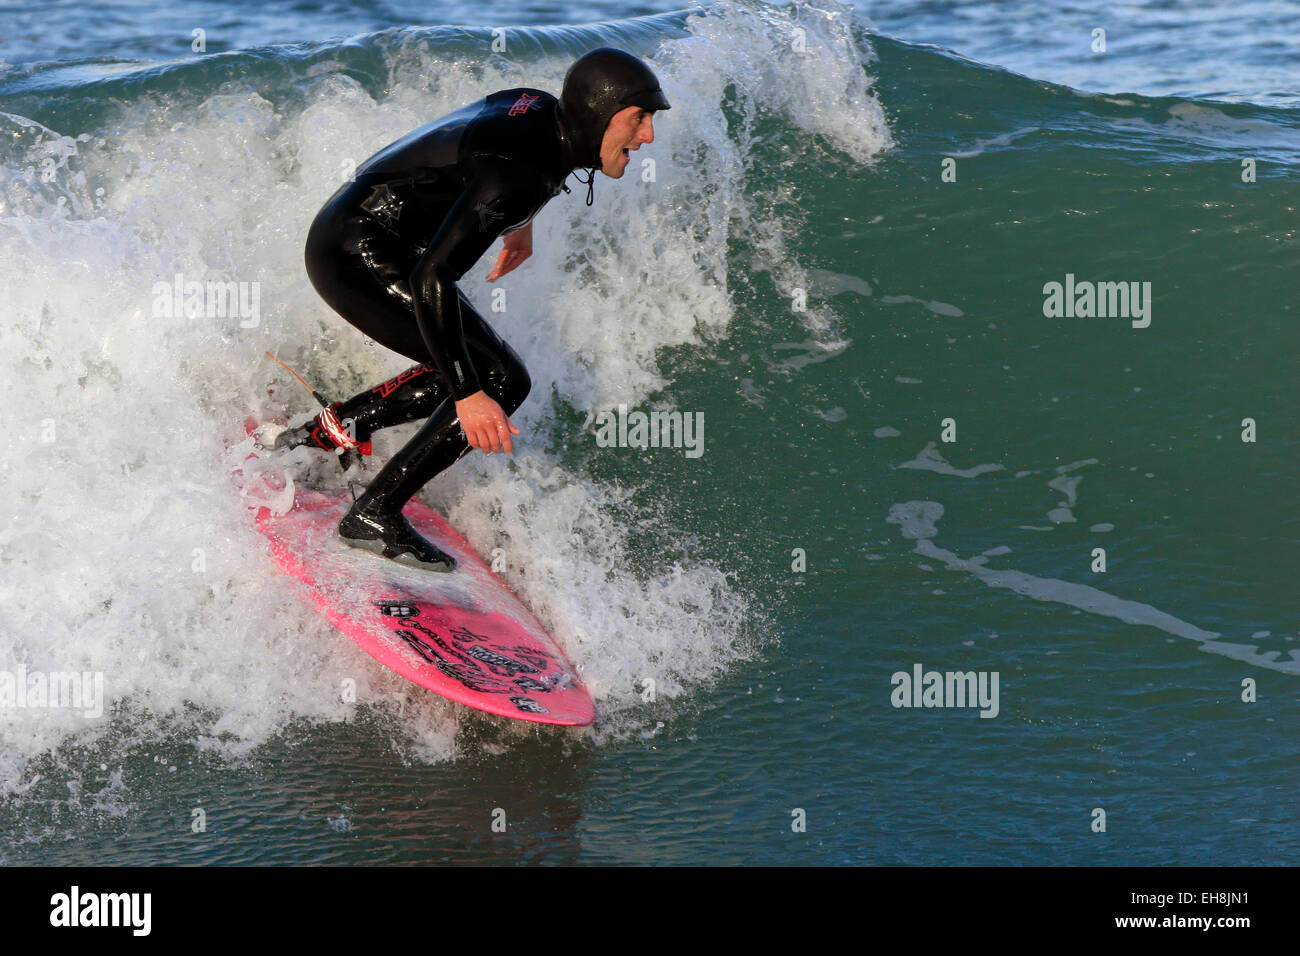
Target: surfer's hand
x=518, y=247
x=485, y=424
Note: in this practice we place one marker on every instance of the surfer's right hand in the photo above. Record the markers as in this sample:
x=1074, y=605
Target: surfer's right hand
x=485, y=425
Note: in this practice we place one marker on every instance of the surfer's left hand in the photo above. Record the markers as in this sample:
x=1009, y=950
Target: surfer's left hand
x=485, y=425
x=518, y=247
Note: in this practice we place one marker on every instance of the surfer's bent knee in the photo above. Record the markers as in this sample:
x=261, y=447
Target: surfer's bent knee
x=322, y=252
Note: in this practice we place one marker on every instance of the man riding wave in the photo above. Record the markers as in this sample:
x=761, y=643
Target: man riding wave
x=388, y=248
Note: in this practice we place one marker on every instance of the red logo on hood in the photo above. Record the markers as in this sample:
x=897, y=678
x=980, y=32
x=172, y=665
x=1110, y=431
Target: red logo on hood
x=522, y=104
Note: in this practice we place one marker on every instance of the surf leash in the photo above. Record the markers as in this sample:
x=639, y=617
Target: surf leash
x=349, y=455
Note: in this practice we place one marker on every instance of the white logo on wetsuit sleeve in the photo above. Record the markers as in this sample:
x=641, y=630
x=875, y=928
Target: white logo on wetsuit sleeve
x=486, y=214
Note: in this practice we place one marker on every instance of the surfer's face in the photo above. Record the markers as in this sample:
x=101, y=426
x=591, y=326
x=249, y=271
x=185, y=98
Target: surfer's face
x=627, y=130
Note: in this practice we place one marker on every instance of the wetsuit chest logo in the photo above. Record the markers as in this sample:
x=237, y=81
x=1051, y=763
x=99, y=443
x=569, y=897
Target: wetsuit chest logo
x=522, y=104
x=383, y=204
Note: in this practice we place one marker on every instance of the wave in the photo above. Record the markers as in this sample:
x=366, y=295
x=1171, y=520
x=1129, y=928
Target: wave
x=797, y=223
x=125, y=548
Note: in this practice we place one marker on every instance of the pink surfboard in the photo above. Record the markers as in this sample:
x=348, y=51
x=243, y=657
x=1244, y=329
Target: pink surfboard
x=461, y=634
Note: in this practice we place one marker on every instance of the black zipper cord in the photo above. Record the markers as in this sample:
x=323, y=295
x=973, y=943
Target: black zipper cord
x=589, y=182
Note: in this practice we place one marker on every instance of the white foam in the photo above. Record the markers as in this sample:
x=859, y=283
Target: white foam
x=811, y=352
x=918, y=521
x=929, y=459
x=745, y=52
x=993, y=143
x=933, y=305
x=830, y=283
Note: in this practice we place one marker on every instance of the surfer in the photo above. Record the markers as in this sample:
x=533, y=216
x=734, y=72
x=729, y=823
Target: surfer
x=388, y=248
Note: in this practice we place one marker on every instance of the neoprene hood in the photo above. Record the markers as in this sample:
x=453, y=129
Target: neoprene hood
x=596, y=87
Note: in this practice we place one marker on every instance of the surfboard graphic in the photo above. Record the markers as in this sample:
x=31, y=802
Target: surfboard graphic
x=462, y=634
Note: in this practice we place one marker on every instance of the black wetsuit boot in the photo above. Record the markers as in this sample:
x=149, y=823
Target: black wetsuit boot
x=376, y=523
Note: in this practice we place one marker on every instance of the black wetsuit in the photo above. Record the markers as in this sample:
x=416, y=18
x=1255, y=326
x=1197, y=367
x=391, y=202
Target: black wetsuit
x=387, y=250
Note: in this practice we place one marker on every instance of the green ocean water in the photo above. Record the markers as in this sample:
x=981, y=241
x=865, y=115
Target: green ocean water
x=828, y=302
